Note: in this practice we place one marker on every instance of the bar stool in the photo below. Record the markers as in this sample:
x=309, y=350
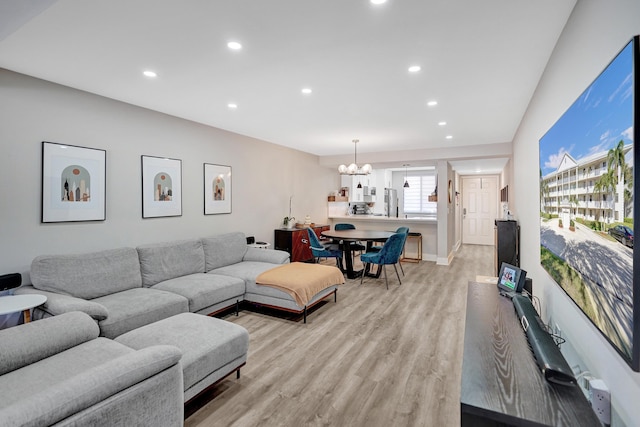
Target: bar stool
x=418, y=238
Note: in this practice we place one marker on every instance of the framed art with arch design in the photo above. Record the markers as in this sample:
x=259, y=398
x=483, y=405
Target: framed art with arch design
x=73, y=183
x=161, y=187
x=217, y=189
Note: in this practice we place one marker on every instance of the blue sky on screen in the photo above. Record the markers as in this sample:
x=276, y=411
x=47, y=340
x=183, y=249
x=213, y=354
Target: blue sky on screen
x=597, y=120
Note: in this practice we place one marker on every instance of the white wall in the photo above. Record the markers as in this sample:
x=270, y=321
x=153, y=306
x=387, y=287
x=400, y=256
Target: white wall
x=594, y=34
x=264, y=175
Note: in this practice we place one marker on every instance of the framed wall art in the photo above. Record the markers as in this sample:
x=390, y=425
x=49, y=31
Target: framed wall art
x=73, y=183
x=161, y=187
x=217, y=189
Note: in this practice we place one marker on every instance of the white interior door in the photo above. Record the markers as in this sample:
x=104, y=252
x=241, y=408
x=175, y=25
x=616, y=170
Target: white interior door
x=479, y=209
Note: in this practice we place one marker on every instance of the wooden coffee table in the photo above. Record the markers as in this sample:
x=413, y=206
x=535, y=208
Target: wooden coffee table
x=15, y=303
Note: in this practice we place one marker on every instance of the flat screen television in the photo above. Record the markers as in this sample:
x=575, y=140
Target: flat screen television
x=587, y=202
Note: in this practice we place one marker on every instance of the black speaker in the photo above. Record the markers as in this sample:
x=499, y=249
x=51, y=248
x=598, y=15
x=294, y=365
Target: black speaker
x=528, y=285
x=507, y=243
x=548, y=357
x=250, y=240
x=10, y=281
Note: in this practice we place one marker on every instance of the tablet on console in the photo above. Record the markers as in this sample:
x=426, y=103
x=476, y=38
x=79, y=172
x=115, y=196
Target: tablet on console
x=511, y=278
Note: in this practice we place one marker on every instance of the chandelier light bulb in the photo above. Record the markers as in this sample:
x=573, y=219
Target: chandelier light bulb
x=352, y=169
x=342, y=169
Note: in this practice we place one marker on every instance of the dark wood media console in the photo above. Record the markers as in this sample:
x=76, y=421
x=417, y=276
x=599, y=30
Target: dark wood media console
x=501, y=382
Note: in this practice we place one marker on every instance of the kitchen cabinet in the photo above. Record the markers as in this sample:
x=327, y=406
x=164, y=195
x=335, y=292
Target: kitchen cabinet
x=357, y=194
x=296, y=241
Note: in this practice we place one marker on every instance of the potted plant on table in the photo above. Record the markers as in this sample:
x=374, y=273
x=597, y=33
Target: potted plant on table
x=289, y=221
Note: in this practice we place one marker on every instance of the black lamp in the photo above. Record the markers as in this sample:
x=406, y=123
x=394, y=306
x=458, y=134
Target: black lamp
x=406, y=183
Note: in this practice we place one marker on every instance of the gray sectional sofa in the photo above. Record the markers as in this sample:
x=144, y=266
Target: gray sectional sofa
x=119, y=340
x=121, y=335
x=58, y=371
x=126, y=288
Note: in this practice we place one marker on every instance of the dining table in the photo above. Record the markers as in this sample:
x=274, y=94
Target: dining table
x=346, y=237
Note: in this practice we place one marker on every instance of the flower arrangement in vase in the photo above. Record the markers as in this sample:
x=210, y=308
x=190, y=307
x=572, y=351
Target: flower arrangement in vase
x=289, y=221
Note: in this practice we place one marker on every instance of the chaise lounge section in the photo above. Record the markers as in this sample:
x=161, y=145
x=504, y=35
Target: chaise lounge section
x=211, y=348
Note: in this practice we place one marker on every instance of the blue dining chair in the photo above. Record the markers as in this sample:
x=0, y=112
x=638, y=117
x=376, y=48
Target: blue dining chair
x=389, y=254
x=402, y=230
x=321, y=251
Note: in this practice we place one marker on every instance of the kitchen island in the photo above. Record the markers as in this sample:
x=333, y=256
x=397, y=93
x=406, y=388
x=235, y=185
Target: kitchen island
x=427, y=226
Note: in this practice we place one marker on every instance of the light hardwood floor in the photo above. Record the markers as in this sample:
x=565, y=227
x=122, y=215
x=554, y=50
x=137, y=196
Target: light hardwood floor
x=377, y=357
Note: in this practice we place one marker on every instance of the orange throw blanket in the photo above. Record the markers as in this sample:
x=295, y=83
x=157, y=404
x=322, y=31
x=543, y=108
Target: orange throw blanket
x=301, y=280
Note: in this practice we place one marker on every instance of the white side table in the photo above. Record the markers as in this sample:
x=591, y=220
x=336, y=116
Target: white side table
x=14, y=303
x=260, y=245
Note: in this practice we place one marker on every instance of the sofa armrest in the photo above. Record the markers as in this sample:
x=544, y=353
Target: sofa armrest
x=31, y=342
x=266, y=255
x=95, y=386
x=57, y=304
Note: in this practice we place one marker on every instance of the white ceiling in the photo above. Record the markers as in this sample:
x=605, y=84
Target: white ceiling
x=481, y=60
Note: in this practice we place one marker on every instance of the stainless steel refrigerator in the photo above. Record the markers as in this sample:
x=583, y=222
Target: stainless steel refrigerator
x=391, y=202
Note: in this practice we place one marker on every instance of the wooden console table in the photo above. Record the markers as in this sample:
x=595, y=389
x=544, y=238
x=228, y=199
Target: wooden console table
x=501, y=382
x=296, y=241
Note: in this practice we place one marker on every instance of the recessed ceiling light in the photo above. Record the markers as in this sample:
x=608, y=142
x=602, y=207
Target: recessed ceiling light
x=234, y=45
x=378, y=1
x=432, y=103
x=232, y=106
x=306, y=90
x=414, y=68
x=449, y=137
x=150, y=73
x=442, y=123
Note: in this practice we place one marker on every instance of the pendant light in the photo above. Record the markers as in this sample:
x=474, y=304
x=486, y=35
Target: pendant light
x=406, y=183
x=353, y=168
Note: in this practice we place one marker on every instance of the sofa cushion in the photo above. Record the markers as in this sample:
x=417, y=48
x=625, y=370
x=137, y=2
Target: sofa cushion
x=224, y=249
x=34, y=341
x=47, y=373
x=168, y=260
x=203, y=289
x=138, y=307
x=89, y=275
